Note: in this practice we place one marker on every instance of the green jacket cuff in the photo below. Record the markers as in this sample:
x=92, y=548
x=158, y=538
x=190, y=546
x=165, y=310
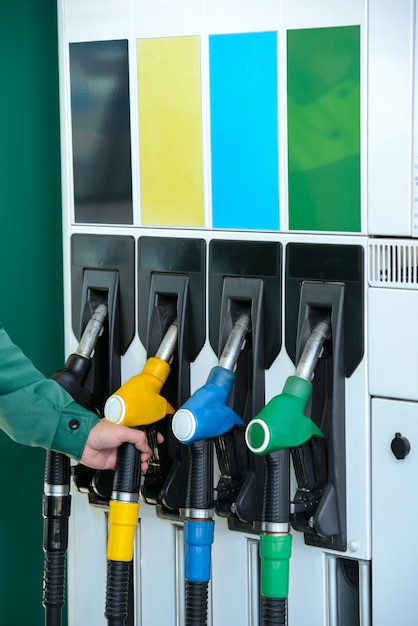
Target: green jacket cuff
x=73, y=430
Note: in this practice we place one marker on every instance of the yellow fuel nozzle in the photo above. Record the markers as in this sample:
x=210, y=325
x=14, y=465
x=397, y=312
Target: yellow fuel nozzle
x=138, y=402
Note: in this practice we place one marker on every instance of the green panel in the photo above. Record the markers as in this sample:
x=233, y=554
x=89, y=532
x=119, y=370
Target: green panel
x=31, y=274
x=323, y=83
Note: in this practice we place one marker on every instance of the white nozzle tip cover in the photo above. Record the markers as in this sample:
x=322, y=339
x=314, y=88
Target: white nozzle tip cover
x=262, y=442
x=184, y=425
x=115, y=409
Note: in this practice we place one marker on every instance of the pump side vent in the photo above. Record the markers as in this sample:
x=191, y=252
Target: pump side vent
x=393, y=263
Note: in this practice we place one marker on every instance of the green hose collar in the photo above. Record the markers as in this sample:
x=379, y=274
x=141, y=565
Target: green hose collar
x=275, y=551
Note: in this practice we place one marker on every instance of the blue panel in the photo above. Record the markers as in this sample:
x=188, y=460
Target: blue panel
x=243, y=98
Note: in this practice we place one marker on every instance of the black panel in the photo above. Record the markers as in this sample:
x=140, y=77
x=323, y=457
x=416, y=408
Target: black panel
x=244, y=276
x=171, y=283
x=348, y=592
x=323, y=278
x=327, y=263
x=257, y=259
x=166, y=255
x=113, y=253
x=319, y=507
x=100, y=116
x=102, y=271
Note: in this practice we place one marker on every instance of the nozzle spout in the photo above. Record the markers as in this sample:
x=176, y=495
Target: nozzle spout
x=313, y=348
x=169, y=342
x=235, y=342
x=138, y=402
x=92, y=332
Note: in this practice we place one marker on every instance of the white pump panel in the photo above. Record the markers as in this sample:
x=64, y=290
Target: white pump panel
x=391, y=149
x=395, y=566
x=385, y=31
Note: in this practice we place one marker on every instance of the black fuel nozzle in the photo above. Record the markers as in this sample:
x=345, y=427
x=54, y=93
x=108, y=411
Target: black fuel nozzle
x=75, y=371
x=56, y=501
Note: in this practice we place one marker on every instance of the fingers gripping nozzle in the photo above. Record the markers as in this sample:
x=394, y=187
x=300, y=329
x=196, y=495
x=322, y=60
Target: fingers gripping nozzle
x=283, y=423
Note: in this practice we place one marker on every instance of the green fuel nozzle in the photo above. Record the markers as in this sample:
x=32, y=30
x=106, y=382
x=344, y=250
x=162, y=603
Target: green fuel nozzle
x=282, y=423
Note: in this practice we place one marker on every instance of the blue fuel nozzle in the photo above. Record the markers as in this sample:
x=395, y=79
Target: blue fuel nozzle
x=205, y=414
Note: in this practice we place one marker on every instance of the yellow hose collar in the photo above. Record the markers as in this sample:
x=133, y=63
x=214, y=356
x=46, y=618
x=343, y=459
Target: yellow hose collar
x=123, y=518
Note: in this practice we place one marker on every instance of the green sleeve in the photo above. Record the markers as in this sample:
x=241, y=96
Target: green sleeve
x=36, y=411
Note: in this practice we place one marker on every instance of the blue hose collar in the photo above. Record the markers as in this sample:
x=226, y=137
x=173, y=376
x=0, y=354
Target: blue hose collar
x=198, y=539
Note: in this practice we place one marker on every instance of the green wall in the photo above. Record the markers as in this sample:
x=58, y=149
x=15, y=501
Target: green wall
x=31, y=274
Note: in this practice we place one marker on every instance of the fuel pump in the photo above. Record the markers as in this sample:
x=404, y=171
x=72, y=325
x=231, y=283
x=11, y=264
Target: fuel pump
x=205, y=416
x=103, y=269
x=244, y=275
x=282, y=425
x=56, y=501
x=172, y=282
x=137, y=403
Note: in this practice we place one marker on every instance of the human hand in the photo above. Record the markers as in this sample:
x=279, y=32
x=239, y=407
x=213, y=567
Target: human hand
x=100, y=451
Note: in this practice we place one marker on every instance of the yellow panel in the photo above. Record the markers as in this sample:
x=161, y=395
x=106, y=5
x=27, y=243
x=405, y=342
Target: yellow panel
x=170, y=131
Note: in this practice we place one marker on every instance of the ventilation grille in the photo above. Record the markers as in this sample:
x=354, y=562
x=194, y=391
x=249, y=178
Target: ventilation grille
x=393, y=264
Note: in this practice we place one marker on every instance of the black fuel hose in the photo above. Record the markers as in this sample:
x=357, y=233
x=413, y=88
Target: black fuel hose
x=276, y=488
x=196, y=604
x=56, y=506
x=56, y=501
x=199, y=488
x=274, y=612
